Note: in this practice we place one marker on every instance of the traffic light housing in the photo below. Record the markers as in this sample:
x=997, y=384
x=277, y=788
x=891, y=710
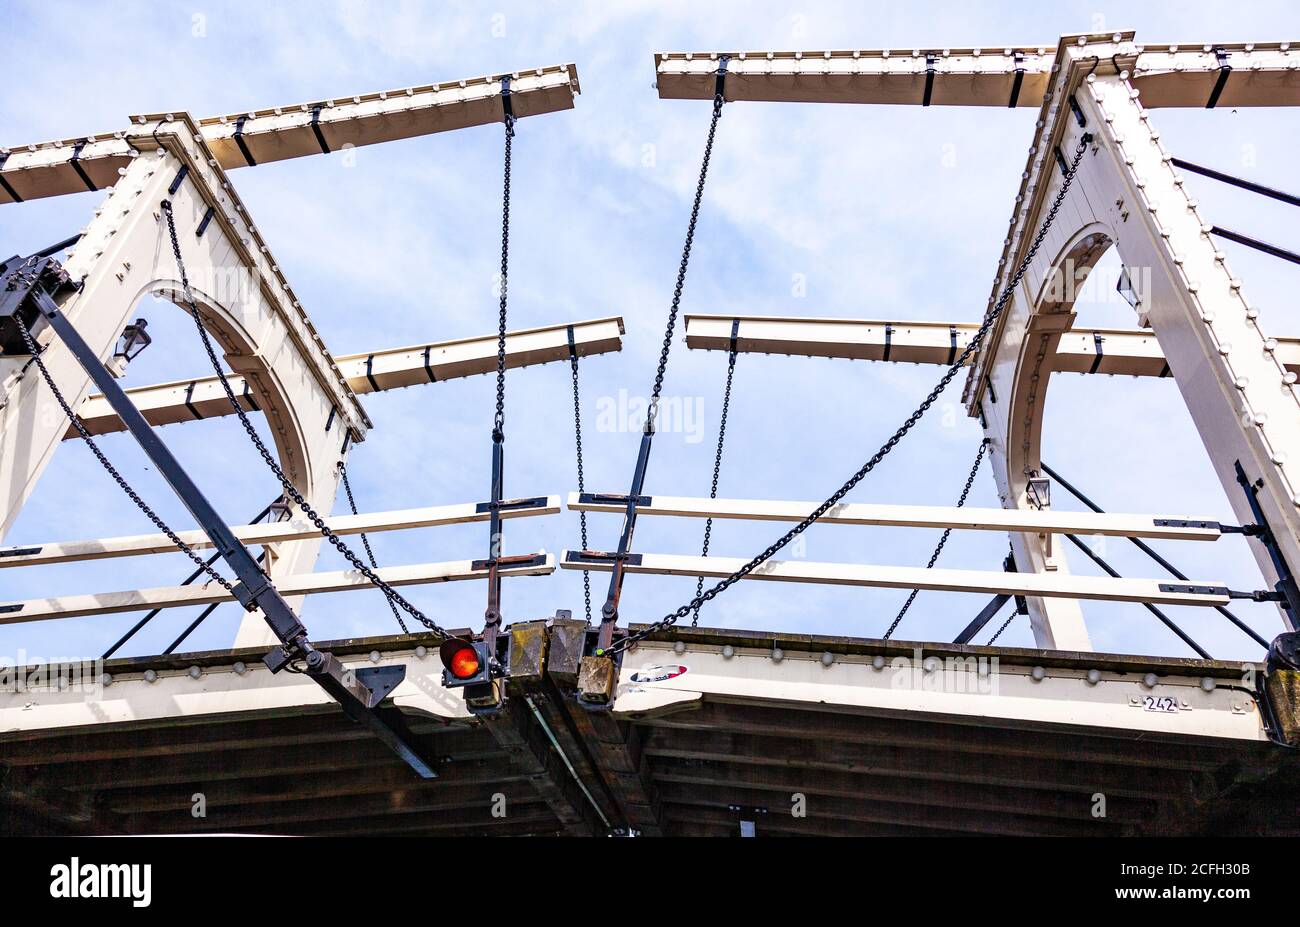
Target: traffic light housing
x=465, y=663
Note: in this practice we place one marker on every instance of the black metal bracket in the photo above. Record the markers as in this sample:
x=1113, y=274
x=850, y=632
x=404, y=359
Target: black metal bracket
x=239, y=140
x=315, y=128
x=1221, y=54
x=929, y=79
x=610, y=498
x=602, y=556
x=1096, y=344
x=507, y=110
x=1019, y=59
x=75, y=161
x=511, y=505
x=1186, y=523
x=1192, y=589
x=1286, y=583
x=720, y=80
x=203, y=223
x=1081, y=119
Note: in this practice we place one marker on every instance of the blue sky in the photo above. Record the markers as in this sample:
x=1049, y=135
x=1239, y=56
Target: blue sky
x=883, y=212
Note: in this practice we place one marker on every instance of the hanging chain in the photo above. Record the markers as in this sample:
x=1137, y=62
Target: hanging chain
x=499, y=419
x=290, y=490
x=973, y=345
x=717, y=468
x=653, y=411
x=365, y=542
x=80, y=426
x=938, y=548
x=1001, y=629
x=582, y=482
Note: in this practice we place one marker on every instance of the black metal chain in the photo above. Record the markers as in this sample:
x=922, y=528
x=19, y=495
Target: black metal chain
x=973, y=345
x=717, y=469
x=365, y=541
x=943, y=539
x=80, y=426
x=653, y=411
x=999, y=631
x=582, y=482
x=290, y=490
x=499, y=419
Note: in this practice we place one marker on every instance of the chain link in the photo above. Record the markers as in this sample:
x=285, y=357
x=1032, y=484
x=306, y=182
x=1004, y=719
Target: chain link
x=973, y=345
x=290, y=490
x=365, y=541
x=80, y=426
x=582, y=482
x=499, y=419
x=717, y=469
x=1005, y=624
x=943, y=539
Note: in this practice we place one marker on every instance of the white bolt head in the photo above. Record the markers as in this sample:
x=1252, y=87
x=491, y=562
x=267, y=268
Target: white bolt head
x=195, y=672
x=1038, y=673
x=1150, y=680
x=421, y=652
x=1207, y=684
x=728, y=651
x=878, y=662
x=240, y=668
x=679, y=646
x=828, y=658
x=930, y=664
x=777, y=654
x=1094, y=676
x=374, y=656
x=150, y=676
x=106, y=679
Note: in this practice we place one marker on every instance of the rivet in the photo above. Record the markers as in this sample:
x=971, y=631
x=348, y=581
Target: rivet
x=1094, y=676
x=828, y=658
x=240, y=668
x=195, y=672
x=728, y=651
x=1038, y=673
x=1150, y=680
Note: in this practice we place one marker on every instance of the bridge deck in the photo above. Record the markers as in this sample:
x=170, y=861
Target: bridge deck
x=690, y=755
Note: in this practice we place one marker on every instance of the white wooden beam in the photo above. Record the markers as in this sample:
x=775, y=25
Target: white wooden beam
x=295, y=529
x=134, y=600
x=1179, y=528
x=51, y=168
x=1262, y=74
x=1102, y=588
x=191, y=400
x=1122, y=352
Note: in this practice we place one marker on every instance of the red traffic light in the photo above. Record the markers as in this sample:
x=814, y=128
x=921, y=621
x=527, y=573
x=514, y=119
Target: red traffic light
x=460, y=657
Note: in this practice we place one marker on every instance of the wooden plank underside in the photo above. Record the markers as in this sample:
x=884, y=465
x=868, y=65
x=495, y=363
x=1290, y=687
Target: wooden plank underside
x=1262, y=74
x=204, y=397
x=891, y=577
x=1120, y=352
x=283, y=132
x=295, y=529
x=919, y=516
x=134, y=600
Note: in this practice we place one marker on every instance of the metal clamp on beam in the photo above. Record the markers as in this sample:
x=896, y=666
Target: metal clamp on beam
x=609, y=498
x=1224, y=70
x=1019, y=59
x=512, y=505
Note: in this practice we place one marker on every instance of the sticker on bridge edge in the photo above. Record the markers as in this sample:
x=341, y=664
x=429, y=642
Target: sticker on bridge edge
x=658, y=673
